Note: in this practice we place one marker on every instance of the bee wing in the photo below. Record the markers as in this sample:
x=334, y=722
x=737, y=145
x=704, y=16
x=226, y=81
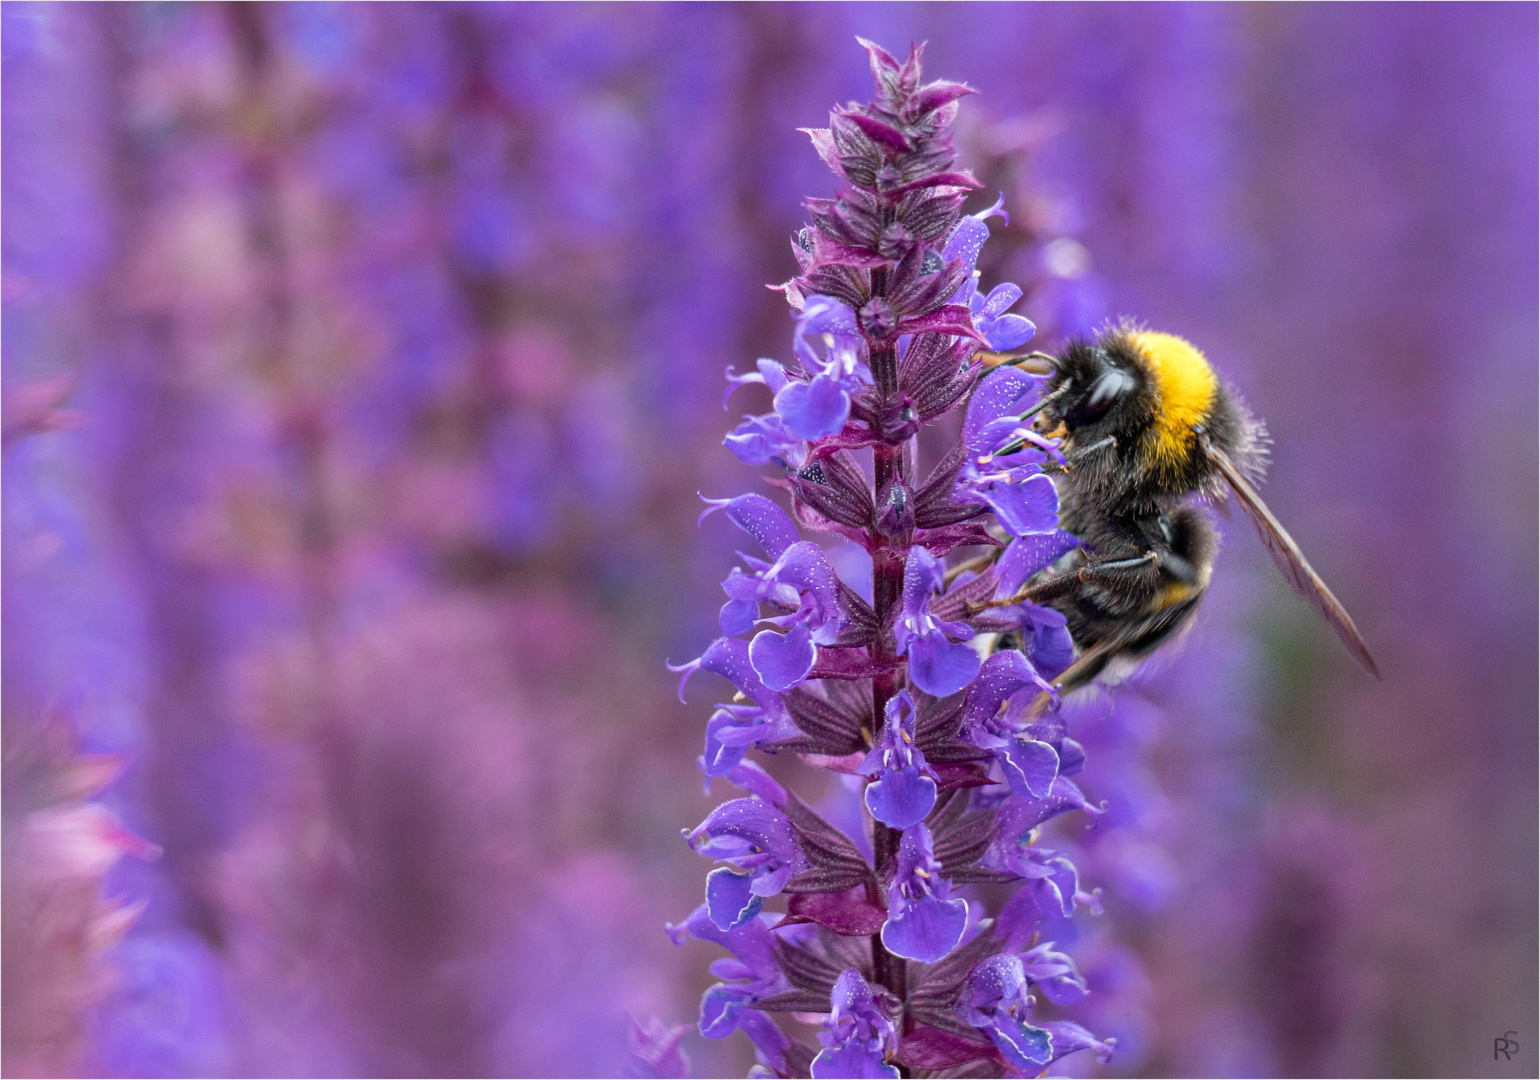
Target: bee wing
x=1296, y=568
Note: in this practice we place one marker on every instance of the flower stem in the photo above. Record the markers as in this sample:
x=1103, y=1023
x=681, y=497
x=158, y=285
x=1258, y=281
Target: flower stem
x=887, y=592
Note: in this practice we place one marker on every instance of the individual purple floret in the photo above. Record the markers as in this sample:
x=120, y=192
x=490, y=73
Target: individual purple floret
x=903, y=787
x=758, y=841
x=860, y=1040
x=821, y=406
x=800, y=579
x=961, y=755
x=937, y=665
x=815, y=402
x=1052, y=888
x=924, y=923
x=1001, y=331
x=1054, y=974
x=764, y=440
x=1013, y=485
x=995, y=1000
x=753, y=975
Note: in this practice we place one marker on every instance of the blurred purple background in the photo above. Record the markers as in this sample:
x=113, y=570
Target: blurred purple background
x=392, y=340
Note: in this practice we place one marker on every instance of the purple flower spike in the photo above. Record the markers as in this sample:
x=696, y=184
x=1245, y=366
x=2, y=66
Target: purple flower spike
x=936, y=665
x=889, y=313
x=859, y=1039
x=995, y=1000
x=923, y=922
x=903, y=789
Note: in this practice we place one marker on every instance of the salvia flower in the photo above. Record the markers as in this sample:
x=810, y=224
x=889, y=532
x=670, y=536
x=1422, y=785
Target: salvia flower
x=763, y=440
x=995, y=1000
x=751, y=974
x=859, y=1040
x=1054, y=973
x=760, y=847
x=937, y=665
x=821, y=405
x=1001, y=331
x=800, y=583
x=924, y=923
x=761, y=717
x=1051, y=888
x=960, y=758
x=903, y=788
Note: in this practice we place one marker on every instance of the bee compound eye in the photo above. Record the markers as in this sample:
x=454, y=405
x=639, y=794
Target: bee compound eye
x=1104, y=392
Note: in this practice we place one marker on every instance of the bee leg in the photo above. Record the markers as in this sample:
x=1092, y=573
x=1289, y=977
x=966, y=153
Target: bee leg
x=1108, y=572
x=1062, y=584
x=1117, y=567
x=1080, y=455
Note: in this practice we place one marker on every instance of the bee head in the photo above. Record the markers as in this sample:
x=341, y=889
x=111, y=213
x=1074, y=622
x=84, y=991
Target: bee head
x=1105, y=391
x=1130, y=382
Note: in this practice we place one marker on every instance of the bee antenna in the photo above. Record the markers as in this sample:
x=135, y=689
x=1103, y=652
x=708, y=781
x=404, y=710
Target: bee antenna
x=1044, y=401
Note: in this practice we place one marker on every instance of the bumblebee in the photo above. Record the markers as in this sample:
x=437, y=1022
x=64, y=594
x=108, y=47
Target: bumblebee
x=1147, y=428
